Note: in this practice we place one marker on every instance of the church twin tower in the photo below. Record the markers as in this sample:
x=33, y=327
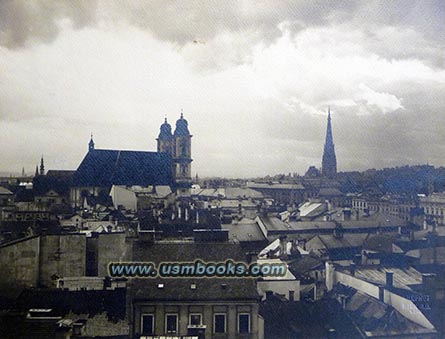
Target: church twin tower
x=178, y=145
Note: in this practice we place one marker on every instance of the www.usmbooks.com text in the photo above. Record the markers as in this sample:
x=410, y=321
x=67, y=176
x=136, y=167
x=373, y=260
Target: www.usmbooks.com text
x=197, y=269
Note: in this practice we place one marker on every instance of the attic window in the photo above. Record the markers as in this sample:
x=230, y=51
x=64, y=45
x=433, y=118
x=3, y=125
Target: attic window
x=193, y=286
x=160, y=286
x=223, y=286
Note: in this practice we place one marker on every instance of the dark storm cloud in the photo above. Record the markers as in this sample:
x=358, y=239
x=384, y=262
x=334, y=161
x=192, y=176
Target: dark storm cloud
x=185, y=21
x=176, y=21
x=34, y=19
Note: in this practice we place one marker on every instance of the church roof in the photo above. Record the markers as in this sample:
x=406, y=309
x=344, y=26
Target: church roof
x=115, y=167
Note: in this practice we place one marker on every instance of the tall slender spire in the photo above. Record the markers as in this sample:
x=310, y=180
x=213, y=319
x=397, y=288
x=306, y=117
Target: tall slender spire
x=329, y=162
x=42, y=166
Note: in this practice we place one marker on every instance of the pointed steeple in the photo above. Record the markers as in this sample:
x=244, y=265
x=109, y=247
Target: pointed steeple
x=329, y=162
x=23, y=172
x=37, y=171
x=42, y=166
x=91, y=143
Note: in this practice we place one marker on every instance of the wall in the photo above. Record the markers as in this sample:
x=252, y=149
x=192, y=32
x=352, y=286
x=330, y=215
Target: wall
x=62, y=255
x=19, y=263
x=111, y=247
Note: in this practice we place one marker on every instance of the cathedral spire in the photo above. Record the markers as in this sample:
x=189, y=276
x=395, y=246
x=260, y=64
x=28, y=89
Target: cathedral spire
x=329, y=162
x=42, y=166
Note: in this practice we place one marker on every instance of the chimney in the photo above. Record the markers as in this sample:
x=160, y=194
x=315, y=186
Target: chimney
x=389, y=280
x=352, y=268
x=283, y=247
x=428, y=282
x=382, y=293
x=330, y=274
x=291, y=295
x=357, y=259
x=338, y=232
x=347, y=214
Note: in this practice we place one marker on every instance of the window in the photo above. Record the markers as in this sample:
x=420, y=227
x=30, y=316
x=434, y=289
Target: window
x=219, y=323
x=195, y=319
x=243, y=323
x=147, y=323
x=171, y=323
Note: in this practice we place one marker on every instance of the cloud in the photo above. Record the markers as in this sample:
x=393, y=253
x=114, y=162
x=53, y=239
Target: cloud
x=383, y=101
x=254, y=80
x=21, y=21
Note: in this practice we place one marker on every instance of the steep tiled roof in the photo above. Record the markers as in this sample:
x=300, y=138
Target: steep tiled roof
x=377, y=319
x=115, y=167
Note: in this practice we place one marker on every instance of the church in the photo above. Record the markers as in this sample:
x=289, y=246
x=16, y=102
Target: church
x=169, y=166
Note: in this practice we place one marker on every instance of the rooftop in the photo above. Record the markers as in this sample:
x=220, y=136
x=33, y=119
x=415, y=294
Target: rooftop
x=245, y=232
x=402, y=278
x=184, y=289
x=107, y=167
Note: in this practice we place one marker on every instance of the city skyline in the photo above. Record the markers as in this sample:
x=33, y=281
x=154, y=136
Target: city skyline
x=254, y=82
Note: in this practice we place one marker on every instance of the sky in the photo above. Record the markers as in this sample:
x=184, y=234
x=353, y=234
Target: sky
x=253, y=78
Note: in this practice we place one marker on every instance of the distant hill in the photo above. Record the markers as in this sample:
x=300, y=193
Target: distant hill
x=10, y=174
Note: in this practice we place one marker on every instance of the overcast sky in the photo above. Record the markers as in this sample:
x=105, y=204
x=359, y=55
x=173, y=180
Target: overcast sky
x=254, y=78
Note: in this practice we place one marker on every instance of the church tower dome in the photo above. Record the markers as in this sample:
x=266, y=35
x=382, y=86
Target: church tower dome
x=165, y=131
x=181, y=126
x=165, y=138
